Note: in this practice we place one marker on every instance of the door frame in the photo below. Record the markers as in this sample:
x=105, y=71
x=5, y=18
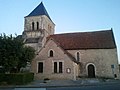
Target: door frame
x=94, y=68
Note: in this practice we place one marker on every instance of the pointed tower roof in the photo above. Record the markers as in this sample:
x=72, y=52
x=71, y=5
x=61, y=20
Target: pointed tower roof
x=39, y=10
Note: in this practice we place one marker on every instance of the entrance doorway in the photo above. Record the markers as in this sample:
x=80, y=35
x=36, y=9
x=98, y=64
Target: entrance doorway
x=91, y=71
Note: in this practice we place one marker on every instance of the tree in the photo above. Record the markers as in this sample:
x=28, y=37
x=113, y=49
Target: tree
x=14, y=54
x=28, y=53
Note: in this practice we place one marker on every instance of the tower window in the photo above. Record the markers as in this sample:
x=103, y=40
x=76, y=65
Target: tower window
x=33, y=26
x=37, y=25
x=48, y=27
x=51, y=53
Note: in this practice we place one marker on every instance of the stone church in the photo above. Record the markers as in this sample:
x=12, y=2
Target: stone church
x=69, y=55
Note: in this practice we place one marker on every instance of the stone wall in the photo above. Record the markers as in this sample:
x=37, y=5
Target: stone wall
x=59, y=56
x=46, y=28
x=102, y=59
x=44, y=23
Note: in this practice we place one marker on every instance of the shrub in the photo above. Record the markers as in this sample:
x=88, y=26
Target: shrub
x=2, y=77
x=17, y=78
x=45, y=79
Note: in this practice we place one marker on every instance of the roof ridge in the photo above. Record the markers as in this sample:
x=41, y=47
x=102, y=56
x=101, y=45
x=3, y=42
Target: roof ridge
x=81, y=32
x=92, y=40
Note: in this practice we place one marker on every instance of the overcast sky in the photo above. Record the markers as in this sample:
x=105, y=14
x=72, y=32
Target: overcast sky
x=68, y=15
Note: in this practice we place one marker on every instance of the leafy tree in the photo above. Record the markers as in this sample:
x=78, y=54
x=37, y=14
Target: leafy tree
x=14, y=54
x=28, y=54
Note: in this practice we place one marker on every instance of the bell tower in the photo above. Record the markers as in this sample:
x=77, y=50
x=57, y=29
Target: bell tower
x=37, y=27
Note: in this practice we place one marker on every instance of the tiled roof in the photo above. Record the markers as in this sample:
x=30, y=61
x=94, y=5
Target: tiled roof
x=86, y=40
x=39, y=10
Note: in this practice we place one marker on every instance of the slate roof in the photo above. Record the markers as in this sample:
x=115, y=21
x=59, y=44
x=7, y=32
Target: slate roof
x=85, y=40
x=39, y=10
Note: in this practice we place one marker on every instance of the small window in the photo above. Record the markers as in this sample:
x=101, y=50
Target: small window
x=40, y=67
x=60, y=67
x=78, y=56
x=51, y=53
x=112, y=66
x=48, y=27
x=32, y=25
x=55, y=67
x=37, y=25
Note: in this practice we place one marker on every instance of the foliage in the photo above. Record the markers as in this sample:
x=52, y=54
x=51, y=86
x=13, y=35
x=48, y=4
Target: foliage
x=28, y=54
x=16, y=78
x=14, y=54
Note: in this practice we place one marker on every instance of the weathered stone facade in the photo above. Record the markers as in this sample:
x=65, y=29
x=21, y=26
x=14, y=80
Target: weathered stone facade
x=101, y=59
x=37, y=27
x=48, y=63
x=71, y=55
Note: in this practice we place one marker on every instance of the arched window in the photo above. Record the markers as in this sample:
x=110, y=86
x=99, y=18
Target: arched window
x=33, y=25
x=78, y=56
x=48, y=27
x=51, y=53
x=37, y=25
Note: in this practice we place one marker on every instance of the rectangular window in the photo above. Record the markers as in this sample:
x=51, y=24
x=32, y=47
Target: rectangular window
x=55, y=67
x=40, y=67
x=58, y=67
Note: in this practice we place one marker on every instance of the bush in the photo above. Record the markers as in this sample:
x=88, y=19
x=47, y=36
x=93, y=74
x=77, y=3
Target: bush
x=46, y=80
x=2, y=77
x=17, y=78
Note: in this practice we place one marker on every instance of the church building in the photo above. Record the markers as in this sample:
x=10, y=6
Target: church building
x=69, y=55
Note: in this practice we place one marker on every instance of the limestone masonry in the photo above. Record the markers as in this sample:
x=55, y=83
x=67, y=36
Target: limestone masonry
x=69, y=55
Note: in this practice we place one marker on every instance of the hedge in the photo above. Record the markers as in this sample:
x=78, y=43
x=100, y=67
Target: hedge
x=17, y=78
